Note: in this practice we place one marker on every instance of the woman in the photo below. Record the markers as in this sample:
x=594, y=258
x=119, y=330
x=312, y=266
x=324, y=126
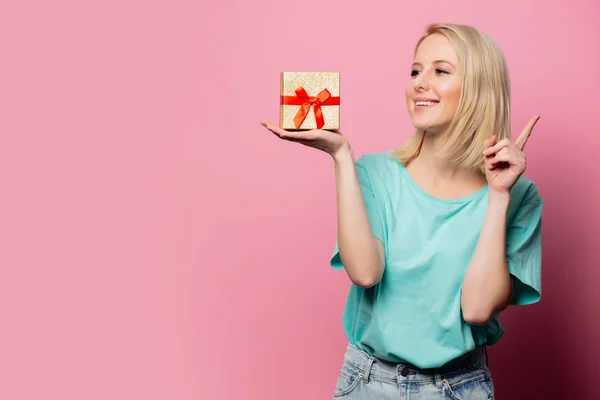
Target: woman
x=438, y=236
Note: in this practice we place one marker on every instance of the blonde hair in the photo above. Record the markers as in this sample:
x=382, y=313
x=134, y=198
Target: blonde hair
x=484, y=106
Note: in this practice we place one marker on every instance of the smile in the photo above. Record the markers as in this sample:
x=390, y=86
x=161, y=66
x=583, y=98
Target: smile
x=425, y=103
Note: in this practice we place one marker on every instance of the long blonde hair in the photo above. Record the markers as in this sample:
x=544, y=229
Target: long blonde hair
x=484, y=106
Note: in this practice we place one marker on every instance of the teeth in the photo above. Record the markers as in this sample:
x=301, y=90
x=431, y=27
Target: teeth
x=425, y=103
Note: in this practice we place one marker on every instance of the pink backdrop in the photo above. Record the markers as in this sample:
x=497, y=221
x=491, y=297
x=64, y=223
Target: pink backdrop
x=158, y=243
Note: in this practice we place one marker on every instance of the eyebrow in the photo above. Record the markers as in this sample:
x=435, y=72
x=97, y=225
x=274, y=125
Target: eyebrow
x=435, y=62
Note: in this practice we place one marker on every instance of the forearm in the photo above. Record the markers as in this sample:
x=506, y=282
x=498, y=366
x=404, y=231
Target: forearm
x=487, y=285
x=356, y=243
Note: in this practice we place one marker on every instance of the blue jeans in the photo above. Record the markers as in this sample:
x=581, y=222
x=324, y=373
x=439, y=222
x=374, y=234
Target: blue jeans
x=363, y=377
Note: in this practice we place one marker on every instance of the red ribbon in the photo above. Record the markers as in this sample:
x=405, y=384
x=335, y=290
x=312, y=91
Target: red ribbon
x=324, y=98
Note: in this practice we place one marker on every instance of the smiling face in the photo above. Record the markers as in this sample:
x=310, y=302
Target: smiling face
x=433, y=93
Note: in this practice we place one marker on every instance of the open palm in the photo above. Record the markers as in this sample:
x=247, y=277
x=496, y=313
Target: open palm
x=327, y=141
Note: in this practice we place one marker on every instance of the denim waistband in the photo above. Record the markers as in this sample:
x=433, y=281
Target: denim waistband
x=386, y=370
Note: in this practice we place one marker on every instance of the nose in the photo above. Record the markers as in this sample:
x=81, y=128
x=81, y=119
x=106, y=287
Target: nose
x=421, y=83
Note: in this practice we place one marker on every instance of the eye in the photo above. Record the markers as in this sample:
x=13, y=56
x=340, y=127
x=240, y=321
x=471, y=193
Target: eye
x=441, y=71
x=414, y=72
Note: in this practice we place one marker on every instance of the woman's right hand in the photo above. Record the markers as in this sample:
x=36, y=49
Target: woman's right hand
x=331, y=142
x=362, y=254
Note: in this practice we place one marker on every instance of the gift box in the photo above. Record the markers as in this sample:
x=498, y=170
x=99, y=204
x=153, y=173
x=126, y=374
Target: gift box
x=310, y=100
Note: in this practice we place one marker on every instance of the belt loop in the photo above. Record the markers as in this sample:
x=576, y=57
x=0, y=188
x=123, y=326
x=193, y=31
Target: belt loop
x=368, y=366
x=487, y=363
x=437, y=378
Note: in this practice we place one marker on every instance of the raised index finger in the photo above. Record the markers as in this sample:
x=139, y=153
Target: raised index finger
x=524, y=136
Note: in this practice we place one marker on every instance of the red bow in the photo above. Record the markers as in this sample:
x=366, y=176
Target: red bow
x=324, y=98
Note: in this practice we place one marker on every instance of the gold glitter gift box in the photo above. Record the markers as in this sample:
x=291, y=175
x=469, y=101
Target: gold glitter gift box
x=310, y=100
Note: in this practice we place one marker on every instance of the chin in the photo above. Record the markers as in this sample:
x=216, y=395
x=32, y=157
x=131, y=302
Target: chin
x=430, y=126
x=425, y=126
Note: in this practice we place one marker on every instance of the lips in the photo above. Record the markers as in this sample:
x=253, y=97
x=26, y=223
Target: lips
x=425, y=103
x=421, y=98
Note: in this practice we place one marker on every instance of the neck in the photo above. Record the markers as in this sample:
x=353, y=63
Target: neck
x=433, y=159
x=436, y=173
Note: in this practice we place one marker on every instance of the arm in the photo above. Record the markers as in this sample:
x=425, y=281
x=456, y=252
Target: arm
x=488, y=285
x=360, y=251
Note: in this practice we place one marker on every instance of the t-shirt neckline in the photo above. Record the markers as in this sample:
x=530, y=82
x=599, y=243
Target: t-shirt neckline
x=479, y=193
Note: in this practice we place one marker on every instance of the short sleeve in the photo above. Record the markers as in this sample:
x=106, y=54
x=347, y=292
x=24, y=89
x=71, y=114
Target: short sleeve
x=524, y=249
x=374, y=213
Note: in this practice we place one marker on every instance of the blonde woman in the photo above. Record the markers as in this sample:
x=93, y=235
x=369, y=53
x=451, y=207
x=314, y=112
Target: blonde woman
x=439, y=235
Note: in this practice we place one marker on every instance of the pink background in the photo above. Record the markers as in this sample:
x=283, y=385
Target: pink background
x=157, y=243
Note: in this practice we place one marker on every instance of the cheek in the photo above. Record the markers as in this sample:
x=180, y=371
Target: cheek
x=409, y=95
x=450, y=91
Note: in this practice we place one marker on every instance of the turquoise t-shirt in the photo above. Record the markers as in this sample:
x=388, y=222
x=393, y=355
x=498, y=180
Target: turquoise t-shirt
x=413, y=314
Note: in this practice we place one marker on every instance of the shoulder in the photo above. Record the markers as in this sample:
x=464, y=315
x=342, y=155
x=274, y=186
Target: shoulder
x=379, y=165
x=525, y=191
x=524, y=195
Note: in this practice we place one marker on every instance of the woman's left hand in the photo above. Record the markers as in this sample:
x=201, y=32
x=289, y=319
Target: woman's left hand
x=505, y=161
